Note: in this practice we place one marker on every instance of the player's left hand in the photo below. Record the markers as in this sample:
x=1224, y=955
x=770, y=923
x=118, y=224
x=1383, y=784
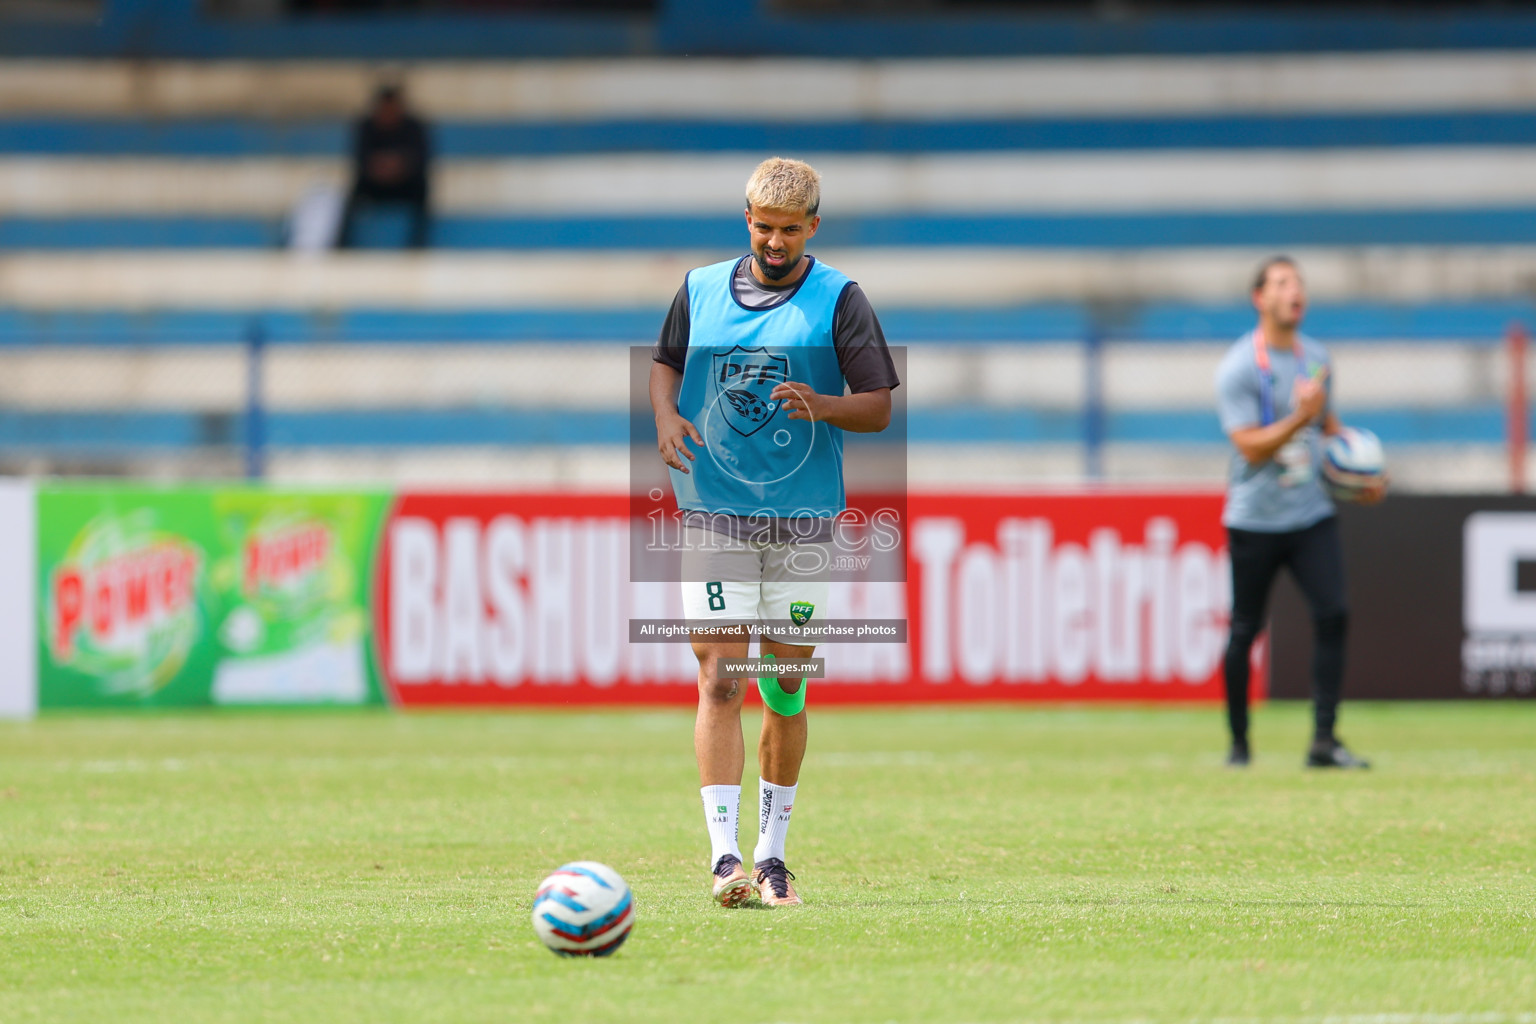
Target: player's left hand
x=1376, y=493
x=800, y=400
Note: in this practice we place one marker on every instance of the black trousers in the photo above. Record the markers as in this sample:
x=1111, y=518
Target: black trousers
x=1316, y=561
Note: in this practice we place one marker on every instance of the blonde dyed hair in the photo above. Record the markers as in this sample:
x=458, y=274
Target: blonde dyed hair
x=786, y=185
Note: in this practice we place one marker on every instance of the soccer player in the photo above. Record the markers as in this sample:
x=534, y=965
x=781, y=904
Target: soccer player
x=763, y=362
x=1274, y=397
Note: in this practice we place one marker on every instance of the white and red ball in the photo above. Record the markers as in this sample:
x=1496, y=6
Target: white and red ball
x=1353, y=463
x=583, y=909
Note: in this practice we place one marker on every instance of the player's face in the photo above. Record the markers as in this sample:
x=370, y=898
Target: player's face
x=1283, y=298
x=778, y=240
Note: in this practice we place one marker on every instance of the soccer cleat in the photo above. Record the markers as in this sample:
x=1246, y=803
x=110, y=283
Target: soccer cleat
x=732, y=886
x=1238, y=756
x=1333, y=754
x=773, y=886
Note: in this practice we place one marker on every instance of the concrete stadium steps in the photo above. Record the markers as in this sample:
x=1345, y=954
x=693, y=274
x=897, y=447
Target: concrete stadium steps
x=1404, y=180
x=1460, y=292
x=1045, y=379
x=1378, y=179
x=1427, y=149
x=444, y=283
x=716, y=89
x=319, y=377
x=49, y=186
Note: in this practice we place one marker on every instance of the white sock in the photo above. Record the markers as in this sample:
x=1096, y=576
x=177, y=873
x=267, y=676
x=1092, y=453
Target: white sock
x=774, y=805
x=722, y=805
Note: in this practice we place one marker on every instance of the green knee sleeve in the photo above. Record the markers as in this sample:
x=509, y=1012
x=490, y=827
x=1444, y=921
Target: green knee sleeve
x=780, y=703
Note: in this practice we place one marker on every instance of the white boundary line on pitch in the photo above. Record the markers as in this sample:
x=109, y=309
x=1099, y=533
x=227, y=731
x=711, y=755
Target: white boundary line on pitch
x=1365, y=1018
x=1384, y=1018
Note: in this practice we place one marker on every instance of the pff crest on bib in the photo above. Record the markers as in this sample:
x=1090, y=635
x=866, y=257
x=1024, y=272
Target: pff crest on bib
x=744, y=378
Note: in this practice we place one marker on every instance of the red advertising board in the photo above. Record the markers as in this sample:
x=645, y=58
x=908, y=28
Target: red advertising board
x=525, y=598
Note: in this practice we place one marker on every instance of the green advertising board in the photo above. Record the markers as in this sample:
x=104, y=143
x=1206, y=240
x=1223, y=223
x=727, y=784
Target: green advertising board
x=196, y=596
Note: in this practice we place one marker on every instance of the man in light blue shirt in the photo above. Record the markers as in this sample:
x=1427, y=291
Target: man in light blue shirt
x=1274, y=398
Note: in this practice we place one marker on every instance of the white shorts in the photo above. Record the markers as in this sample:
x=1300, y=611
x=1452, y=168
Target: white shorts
x=748, y=581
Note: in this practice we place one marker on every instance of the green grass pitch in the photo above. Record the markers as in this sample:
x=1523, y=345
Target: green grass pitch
x=988, y=864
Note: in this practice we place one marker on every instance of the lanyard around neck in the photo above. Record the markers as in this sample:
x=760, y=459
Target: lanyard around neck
x=1267, y=375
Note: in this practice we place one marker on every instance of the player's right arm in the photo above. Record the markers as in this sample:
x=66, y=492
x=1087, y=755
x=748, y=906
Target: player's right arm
x=1258, y=444
x=672, y=429
x=667, y=361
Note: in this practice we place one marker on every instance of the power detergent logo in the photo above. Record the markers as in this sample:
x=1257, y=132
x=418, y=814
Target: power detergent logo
x=122, y=604
x=289, y=581
x=744, y=378
x=285, y=557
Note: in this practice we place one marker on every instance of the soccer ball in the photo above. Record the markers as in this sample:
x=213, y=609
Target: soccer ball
x=1353, y=463
x=583, y=909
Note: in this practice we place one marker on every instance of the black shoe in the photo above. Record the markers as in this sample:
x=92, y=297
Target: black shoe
x=1333, y=754
x=1238, y=756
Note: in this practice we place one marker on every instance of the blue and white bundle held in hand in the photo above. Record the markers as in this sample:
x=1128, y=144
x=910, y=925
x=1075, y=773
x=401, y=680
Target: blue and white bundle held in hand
x=1353, y=463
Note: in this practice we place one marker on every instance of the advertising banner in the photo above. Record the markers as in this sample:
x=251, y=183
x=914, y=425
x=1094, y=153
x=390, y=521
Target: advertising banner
x=1442, y=600
x=1090, y=596
x=195, y=596
x=529, y=599
x=233, y=595
x=18, y=605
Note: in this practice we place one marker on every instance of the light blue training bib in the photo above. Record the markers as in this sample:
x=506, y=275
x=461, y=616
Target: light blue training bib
x=756, y=461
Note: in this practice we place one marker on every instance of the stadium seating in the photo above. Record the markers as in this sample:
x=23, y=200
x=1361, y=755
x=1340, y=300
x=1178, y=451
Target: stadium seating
x=1041, y=234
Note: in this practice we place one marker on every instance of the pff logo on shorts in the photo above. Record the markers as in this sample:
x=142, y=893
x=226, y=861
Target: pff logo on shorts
x=1498, y=653
x=800, y=612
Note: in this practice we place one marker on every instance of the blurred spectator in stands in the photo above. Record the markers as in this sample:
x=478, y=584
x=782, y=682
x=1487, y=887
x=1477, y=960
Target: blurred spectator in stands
x=391, y=158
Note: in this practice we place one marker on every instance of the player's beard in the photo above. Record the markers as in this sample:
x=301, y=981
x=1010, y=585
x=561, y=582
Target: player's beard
x=776, y=273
